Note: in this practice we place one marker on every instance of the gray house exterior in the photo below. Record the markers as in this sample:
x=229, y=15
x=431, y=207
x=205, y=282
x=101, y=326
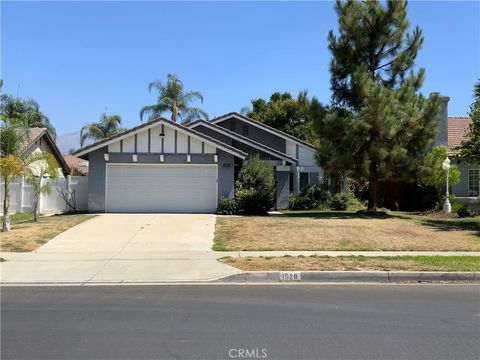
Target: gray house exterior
x=293, y=159
x=452, y=130
x=162, y=166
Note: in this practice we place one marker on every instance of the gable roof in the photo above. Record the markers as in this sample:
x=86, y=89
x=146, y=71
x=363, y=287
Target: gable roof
x=75, y=162
x=152, y=123
x=29, y=137
x=243, y=139
x=262, y=126
x=457, y=131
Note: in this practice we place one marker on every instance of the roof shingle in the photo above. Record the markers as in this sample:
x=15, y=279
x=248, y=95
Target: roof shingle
x=457, y=131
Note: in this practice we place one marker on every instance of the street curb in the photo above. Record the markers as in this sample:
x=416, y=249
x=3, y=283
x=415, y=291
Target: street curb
x=294, y=277
x=348, y=276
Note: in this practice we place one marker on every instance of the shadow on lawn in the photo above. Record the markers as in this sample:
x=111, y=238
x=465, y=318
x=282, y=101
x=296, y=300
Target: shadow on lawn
x=334, y=215
x=472, y=224
x=453, y=225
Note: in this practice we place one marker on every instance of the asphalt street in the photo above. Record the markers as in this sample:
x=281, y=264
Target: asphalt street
x=238, y=322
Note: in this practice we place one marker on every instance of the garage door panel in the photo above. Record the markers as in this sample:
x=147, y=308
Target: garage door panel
x=162, y=188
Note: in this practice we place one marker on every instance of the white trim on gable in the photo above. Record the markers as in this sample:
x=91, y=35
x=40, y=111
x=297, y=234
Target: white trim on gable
x=193, y=134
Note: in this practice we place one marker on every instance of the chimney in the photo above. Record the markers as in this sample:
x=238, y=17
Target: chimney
x=442, y=122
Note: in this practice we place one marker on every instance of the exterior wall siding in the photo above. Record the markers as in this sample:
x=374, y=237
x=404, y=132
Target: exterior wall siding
x=215, y=135
x=256, y=134
x=461, y=189
x=283, y=189
x=226, y=176
x=96, y=178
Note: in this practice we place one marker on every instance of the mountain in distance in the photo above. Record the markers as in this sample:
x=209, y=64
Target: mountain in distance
x=69, y=141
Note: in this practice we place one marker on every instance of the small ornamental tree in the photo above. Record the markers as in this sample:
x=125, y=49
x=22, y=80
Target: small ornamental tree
x=255, y=187
x=433, y=173
x=11, y=166
x=38, y=167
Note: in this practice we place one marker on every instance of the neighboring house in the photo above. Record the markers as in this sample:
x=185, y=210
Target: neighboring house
x=76, y=163
x=36, y=140
x=162, y=166
x=452, y=130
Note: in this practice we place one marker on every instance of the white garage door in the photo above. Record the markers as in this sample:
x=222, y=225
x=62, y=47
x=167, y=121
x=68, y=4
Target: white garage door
x=161, y=188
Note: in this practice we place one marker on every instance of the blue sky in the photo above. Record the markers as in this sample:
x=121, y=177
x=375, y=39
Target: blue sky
x=79, y=58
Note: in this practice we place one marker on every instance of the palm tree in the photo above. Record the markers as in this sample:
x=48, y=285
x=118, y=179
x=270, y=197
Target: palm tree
x=36, y=118
x=107, y=126
x=172, y=98
x=25, y=113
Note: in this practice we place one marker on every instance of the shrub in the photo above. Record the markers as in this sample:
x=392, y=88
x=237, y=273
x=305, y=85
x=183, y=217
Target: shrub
x=255, y=187
x=340, y=201
x=464, y=211
x=456, y=206
x=298, y=202
x=312, y=197
x=227, y=206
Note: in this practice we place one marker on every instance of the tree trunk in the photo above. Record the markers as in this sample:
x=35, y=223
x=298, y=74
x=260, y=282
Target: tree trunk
x=6, y=207
x=174, y=112
x=35, y=211
x=372, y=188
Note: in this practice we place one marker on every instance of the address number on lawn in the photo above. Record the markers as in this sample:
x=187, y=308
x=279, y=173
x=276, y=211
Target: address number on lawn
x=290, y=276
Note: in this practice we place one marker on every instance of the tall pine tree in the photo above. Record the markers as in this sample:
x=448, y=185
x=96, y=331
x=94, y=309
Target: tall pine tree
x=380, y=126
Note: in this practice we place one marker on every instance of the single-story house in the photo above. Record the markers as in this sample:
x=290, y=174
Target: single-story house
x=452, y=130
x=39, y=140
x=162, y=166
x=75, y=163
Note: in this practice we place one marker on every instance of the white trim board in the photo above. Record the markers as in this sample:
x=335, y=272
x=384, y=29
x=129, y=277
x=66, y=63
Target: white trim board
x=177, y=127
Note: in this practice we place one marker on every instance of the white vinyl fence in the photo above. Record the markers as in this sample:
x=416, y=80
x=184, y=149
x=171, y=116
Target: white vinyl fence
x=22, y=196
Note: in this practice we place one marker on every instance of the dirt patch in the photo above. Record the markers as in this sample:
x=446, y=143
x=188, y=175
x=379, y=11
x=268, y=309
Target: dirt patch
x=356, y=263
x=28, y=236
x=323, y=233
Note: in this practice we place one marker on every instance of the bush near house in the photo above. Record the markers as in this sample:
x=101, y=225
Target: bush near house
x=312, y=197
x=340, y=201
x=255, y=186
x=464, y=211
x=227, y=206
x=319, y=197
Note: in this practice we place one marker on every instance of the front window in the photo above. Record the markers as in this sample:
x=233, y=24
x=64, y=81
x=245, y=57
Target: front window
x=314, y=178
x=473, y=182
x=303, y=180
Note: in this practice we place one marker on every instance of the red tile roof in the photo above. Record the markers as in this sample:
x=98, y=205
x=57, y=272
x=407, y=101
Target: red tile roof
x=457, y=130
x=74, y=162
x=30, y=136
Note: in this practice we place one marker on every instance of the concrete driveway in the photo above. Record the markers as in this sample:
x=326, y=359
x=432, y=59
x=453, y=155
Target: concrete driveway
x=122, y=248
x=149, y=233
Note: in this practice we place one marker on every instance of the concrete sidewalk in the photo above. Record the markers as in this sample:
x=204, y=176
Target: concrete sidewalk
x=110, y=268
x=144, y=266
